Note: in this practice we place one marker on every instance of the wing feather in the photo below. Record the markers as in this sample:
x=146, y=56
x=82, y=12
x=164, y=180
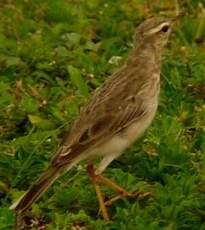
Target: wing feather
x=100, y=130
x=113, y=107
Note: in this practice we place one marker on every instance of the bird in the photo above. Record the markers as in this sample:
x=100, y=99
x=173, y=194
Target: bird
x=116, y=114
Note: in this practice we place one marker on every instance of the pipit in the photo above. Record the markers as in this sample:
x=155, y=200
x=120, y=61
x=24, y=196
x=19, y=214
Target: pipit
x=114, y=117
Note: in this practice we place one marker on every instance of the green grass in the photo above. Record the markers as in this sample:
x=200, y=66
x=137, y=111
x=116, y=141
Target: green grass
x=52, y=55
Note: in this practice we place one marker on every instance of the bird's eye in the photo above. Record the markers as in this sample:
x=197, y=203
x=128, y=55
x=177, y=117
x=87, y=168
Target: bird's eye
x=165, y=28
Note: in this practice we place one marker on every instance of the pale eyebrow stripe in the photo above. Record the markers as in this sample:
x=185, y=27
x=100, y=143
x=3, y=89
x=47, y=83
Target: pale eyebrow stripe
x=158, y=28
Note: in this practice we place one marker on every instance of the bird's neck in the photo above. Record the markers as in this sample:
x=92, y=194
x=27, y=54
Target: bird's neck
x=146, y=57
x=147, y=51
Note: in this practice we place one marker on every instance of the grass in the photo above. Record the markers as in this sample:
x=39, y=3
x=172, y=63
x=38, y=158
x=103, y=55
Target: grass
x=52, y=55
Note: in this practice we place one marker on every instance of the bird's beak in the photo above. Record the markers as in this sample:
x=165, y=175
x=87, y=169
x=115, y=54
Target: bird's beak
x=175, y=19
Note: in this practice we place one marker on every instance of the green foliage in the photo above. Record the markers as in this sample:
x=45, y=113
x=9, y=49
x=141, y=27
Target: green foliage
x=52, y=55
x=78, y=81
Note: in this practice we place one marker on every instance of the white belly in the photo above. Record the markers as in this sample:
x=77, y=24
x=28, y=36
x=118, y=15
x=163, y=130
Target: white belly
x=118, y=143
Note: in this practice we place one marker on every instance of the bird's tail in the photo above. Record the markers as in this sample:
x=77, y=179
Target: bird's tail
x=34, y=193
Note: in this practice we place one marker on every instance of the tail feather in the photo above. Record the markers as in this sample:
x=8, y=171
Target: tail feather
x=34, y=193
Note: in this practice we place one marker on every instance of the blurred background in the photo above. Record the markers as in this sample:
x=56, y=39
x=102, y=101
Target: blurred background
x=53, y=54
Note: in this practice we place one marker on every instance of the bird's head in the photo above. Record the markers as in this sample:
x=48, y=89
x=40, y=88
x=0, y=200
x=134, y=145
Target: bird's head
x=154, y=31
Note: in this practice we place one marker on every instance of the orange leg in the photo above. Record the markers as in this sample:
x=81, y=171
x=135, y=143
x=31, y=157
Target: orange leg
x=121, y=191
x=96, y=179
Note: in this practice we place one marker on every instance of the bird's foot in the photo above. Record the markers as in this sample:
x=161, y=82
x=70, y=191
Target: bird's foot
x=137, y=195
x=99, y=179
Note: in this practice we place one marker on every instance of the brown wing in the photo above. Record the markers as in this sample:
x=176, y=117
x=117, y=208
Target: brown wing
x=112, y=108
x=97, y=131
